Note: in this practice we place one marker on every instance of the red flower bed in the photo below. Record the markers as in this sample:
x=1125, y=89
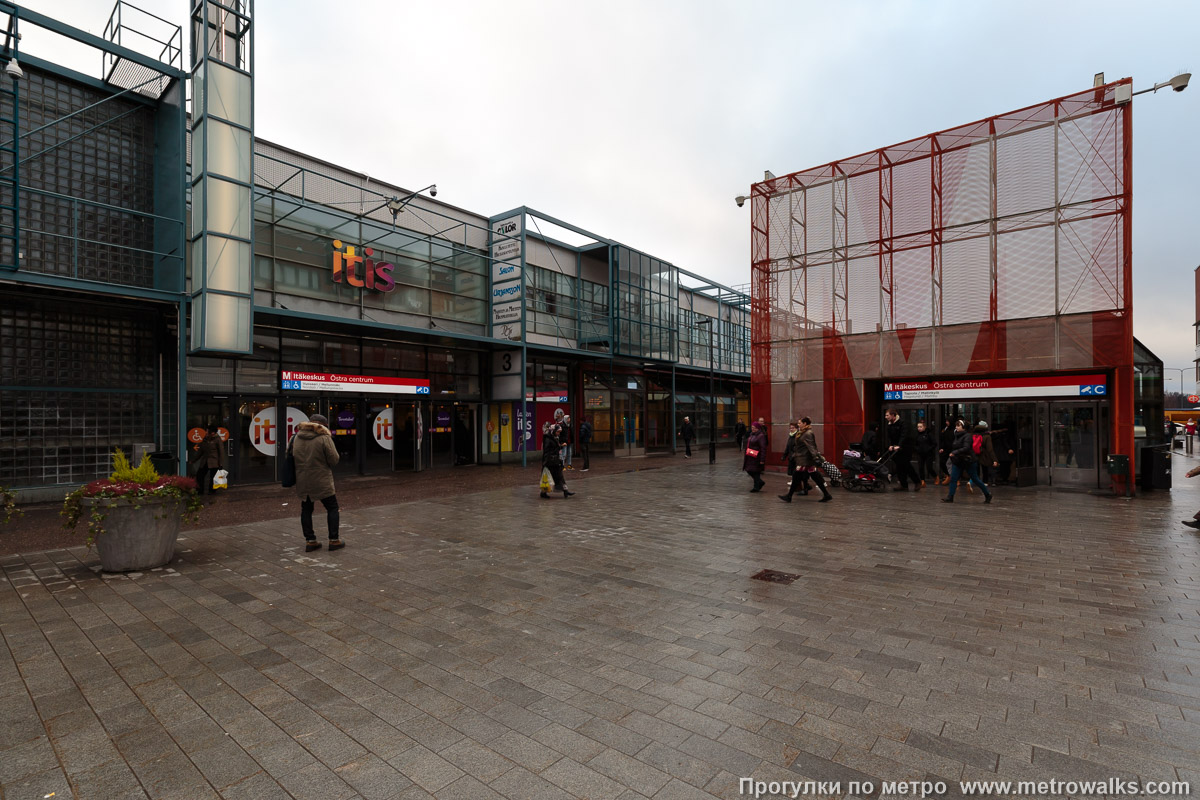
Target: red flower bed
x=106, y=487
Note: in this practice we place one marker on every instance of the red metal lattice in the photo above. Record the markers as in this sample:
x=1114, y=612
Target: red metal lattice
x=996, y=247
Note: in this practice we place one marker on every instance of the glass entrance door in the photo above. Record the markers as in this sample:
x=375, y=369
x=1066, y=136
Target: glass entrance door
x=627, y=421
x=1012, y=426
x=1073, y=445
x=380, y=441
x=465, y=440
x=205, y=411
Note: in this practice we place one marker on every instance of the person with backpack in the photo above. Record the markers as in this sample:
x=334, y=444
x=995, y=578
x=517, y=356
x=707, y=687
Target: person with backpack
x=964, y=459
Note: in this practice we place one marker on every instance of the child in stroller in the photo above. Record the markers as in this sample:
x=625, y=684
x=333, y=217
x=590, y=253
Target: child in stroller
x=861, y=473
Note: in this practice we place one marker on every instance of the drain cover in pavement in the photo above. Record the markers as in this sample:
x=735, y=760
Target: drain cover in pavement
x=771, y=576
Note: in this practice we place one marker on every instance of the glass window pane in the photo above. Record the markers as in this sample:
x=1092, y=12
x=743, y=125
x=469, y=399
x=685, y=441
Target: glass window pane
x=229, y=208
x=229, y=94
x=228, y=151
x=228, y=265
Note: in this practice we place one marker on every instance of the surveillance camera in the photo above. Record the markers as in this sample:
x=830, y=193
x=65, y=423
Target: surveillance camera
x=433, y=191
x=740, y=200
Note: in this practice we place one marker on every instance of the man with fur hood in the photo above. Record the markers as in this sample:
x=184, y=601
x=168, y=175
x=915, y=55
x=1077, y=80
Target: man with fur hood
x=315, y=455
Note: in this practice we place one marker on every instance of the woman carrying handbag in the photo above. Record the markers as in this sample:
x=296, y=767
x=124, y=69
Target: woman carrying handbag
x=755, y=459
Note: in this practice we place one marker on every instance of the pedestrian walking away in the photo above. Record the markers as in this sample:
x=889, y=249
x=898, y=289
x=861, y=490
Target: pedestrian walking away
x=552, y=460
x=900, y=445
x=688, y=433
x=926, y=454
x=567, y=440
x=755, y=458
x=208, y=458
x=808, y=463
x=585, y=443
x=316, y=455
x=963, y=460
x=945, y=445
x=988, y=463
x=739, y=433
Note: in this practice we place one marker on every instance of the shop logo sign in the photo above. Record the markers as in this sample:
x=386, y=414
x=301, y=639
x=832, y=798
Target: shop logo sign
x=383, y=428
x=361, y=271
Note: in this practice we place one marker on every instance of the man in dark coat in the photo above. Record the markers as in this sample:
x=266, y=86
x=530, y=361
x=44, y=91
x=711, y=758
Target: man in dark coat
x=739, y=433
x=900, y=445
x=945, y=445
x=585, y=443
x=688, y=433
x=316, y=455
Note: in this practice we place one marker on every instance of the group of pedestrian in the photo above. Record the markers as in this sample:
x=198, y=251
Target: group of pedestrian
x=804, y=461
x=956, y=454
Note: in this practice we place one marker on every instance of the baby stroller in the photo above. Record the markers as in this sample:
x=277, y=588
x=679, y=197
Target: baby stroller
x=861, y=474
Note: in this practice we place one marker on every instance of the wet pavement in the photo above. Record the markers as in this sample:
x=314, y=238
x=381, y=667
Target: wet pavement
x=616, y=645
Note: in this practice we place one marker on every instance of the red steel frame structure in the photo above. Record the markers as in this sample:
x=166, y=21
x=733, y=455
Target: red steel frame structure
x=994, y=248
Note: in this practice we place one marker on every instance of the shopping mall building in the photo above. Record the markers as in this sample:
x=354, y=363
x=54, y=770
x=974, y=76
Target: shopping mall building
x=162, y=270
x=979, y=273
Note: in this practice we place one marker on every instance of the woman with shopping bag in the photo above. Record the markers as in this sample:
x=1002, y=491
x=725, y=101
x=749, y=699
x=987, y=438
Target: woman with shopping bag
x=209, y=460
x=552, y=465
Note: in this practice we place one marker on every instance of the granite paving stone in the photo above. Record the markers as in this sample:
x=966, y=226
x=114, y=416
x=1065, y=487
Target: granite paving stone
x=614, y=646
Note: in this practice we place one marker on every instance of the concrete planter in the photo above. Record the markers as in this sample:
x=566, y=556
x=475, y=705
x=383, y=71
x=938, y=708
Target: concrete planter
x=137, y=538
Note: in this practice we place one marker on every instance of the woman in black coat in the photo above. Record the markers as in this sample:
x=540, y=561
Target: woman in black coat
x=755, y=459
x=552, y=460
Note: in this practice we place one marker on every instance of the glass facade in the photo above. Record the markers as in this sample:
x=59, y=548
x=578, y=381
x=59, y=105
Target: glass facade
x=79, y=380
x=647, y=305
x=87, y=183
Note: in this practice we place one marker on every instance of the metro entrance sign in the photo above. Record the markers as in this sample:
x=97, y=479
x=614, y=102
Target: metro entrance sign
x=983, y=388
x=292, y=381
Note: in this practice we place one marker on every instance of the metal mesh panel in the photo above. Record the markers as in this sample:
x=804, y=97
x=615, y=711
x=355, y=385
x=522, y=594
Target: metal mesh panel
x=965, y=185
x=966, y=281
x=1025, y=273
x=948, y=241
x=1025, y=171
x=913, y=289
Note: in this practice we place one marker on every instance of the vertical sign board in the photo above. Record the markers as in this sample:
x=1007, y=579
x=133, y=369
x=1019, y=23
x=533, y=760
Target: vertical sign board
x=508, y=375
x=508, y=282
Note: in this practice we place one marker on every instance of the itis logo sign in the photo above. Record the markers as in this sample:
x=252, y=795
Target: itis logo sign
x=361, y=271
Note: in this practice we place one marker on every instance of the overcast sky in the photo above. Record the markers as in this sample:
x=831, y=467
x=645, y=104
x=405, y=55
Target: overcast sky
x=640, y=121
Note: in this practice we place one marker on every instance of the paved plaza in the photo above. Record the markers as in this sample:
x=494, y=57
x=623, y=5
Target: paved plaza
x=615, y=645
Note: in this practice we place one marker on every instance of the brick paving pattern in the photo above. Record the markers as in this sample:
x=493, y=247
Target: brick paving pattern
x=613, y=645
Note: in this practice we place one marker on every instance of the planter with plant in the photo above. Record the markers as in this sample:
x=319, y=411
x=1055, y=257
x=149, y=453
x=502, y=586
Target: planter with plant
x=8, y=506
x=133, y=516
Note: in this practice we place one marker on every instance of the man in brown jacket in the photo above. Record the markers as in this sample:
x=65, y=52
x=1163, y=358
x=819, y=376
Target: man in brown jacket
x=315, y=455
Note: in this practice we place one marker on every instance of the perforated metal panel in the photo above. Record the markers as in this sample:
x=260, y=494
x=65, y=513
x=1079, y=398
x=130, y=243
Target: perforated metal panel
x=910, y=260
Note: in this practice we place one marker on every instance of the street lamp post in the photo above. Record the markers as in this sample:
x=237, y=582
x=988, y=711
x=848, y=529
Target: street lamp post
x=712, y=393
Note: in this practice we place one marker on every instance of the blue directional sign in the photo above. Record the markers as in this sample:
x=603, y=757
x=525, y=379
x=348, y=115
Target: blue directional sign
x=1093, y=389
